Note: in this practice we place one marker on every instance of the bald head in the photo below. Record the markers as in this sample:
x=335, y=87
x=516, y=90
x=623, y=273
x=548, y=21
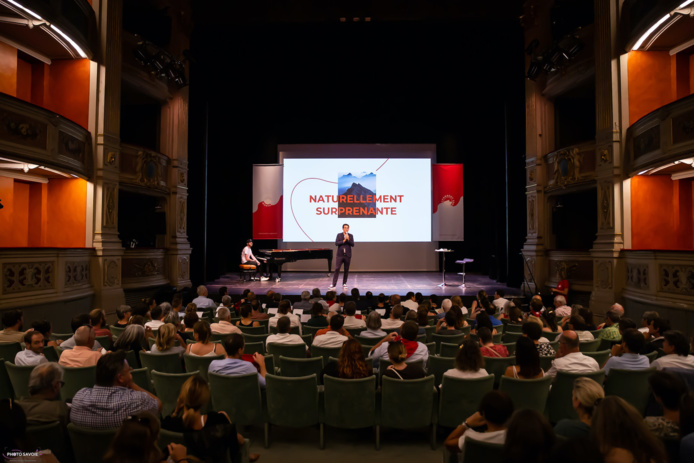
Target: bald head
x=616, y=307
x=568, y=342
x=84, y=336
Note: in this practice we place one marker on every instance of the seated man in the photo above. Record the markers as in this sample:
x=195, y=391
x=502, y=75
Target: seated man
x=113, y=398
x=632, y=343
x=495, y=410
x=408, y=335
x=655, y=336
x=333, y=337
x=450, y=319
x=156, y=321
x=77, y=321
x=13, y=321
x=304, y=304
x=202, y=301
x=226, y=302
x=394, y=320
x=350, y=320
x=284, y=310
x=610, y=329
x=247, y=258
x=409, y=303
x=569, y=358
x=82, y=354
x=33, y=355
x=233, y=365
x=560, y=308
x=44, y=404
x=676, y=348
x=283, y=336
x=578, y=324
x=224, y=326
x=97, y=318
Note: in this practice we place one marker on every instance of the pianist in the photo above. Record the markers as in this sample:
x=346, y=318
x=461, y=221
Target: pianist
x=247, y=258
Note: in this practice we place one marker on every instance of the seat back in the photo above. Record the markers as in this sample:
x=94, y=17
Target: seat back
x=297, y=367
x=116, y=330
x=163, y=363
x=219, y=337
x=367, y=341
x=448, y=350
x=350, y=403
x=19, y=377
x=630, y=385
x=325, y=352
x=292, y=402
x=589, y=346
x=167, y=387
x=600, y=356
x=238, y=396
x=497, y=366
x=399, y=411
x=437, y=366
x=453, y=339
x=90, y=445
x=52, y=353
x=9, y=350
x=255, y=337
x=477, y=451
x=307, y=329
x=559, y=400
x=104, y=341
x=287, y=350
x=461, y=397
x=510, y=347
x=355, y=331
x=292, y=330
x=251, y=348
x=199, y=364
x=167, y=437
x=60, y=336
x=252, y=329
x=142, y=378
x=527, y=393
x=512, y=328
x=6, y=391
x=652, y=356
x=546, y=362
x=51, y=436
x=383, y=365
x=75, y=379
x=510, y=337
x=429, y=331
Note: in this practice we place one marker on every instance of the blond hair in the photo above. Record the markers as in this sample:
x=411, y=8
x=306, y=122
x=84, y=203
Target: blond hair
x=195, y=394
x=166, y=336
x=587, y=392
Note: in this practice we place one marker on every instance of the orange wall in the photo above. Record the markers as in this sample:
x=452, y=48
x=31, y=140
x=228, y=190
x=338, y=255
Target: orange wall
x=14, y=221
x=38, y=213
x=68, y=95
x=67, y=213
x=8, y=69
x=661, y=213
x=24, y=80
x=39, y=83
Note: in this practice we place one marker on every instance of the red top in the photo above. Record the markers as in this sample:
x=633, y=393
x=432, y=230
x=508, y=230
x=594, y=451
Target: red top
x=497, y=350
x=562, y=285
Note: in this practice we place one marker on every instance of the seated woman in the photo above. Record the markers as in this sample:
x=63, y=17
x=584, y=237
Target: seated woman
x=136, y=440
x=351, y=364
x=667, y=389
x=165, y=340
x=487, y=346
x=584, y=397
x=479, y=304
x=373, y=326
x=203, y=347
x=529, y=437
x=133, y=338
x=515, y=315
x=412, y=315
x=483, y=320
x=527, y=361
x=621, y=434
x=318, y=318
x=447, y=325
x=469, y=362
x=399, y=369
x=210, y=437
x=246, y=319
x=549, y=320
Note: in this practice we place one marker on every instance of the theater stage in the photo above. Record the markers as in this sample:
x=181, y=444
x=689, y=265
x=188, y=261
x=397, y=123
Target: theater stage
x=293, y=283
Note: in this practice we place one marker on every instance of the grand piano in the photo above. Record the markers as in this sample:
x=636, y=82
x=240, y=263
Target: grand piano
x=279, y=257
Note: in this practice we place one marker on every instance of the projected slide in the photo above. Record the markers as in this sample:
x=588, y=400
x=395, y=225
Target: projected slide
x=383, y=200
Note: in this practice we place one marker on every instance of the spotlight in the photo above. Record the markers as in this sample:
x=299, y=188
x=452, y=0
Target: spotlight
x=533, y=70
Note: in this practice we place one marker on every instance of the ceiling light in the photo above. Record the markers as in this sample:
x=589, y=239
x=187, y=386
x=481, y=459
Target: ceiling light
x=26, y=9
x=655, y=26
x=72, y=42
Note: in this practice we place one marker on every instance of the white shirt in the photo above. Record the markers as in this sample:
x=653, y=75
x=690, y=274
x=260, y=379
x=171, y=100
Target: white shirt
x=501, y=304
x=455, y=373
x=224, y=327
x=585, y=336
x=335, y=307
x=29, y=357
x=574, y=362
x=295, y=320
x=284, y=338
x=354, y=322
x=154, y=324
x=410, y=304
x=203, y=302
x=494, y=437
x=329, y=339
x=563, y=311
x=674, y=361
x=390, y=323
x=247, y=255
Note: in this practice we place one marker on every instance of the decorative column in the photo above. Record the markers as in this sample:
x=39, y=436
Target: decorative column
x=174, y=143
x=608, y=272
x=105, y=124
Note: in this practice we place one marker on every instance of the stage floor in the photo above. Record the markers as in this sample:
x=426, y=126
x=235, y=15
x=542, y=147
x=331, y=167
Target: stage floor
x=293, y=283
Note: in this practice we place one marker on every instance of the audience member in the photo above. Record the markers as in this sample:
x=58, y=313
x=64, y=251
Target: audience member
x=77, y=321
x=587, y=315
x=304, y=304
x=469, y=362
x=534, y=331
x=350, y=364
x=655, y=338
x=447, y=325
x=133, y=338
x=284, y=310
x=316, y=297
x=529, y=437
x=560, y=308
x=233, y=365
x=549, y=321
x=82, y=354
x=409, y=302
x=585, y=396
x=399, y=368
x=500, y=302
x=335, y=336
x=318, y=318
x=114, y=397
x=136, y=442
x=408, y=336
x=676, y=349
x=257, y=312
x=627, y=357
x=569, y=359
x=166, y=339
x=373, y=326
x=13, y=436
x=226, y=303
x=668, y=390
x=224, y=326
x=44, y=327
x=203, y=346
x=393, y=321
x=283, y=336
x=202, y=301
x=484, y=320
x=123, y=313
x=246, y=318
x=33, y=354
x=13, y=321
x=44, y=405
x=610, y=330
x=97, y=318
x=487, y=346
x=350, y=319
x=646, y=320
x=578, y=325
x=527, y=361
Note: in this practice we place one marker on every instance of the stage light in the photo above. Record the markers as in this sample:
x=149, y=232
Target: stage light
x=655, y=26
x=533, y=70
x=26, y=9
x=72, y=42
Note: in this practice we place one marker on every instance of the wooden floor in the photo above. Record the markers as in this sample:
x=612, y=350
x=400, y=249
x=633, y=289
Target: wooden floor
x=293, y=283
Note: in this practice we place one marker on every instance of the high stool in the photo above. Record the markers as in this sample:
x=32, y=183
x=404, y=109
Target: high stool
x=464, y=261
x=246, y=269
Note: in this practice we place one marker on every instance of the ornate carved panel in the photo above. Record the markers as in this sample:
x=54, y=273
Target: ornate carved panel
x=605, y=201
x=181, y=216
x=647, y=141
x=183, y=270
x=683, y=128
x=76, y=273
x=71, y=147
x=567, y=166
x=182, y=178
x=678, y=279
x=25, y=277
x=22, y=129
x=603, y=274
x=532, y=215
x=143, y=267
x=637, y=276
x=111, y=272
x=110, y=199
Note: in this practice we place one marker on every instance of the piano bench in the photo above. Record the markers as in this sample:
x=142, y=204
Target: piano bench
x=245, y=269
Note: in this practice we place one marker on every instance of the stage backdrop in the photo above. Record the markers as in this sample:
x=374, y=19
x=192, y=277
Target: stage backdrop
x=447, y=196
x=267, y=202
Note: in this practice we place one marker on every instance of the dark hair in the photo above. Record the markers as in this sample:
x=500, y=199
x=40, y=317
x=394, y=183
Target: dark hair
x=485, y=335
x=536, y=305
x=668, y=387
x=233, y=343
x=532, y=330
x=687, y=414
x=284, y=324
x=202, y=329
x=155, y=313
x=515, y=314
x=677, y=340
x=355, y=292
x=79, y=320
x=345, y=224
x=336, y=322
x=409, y=330
x=315, y=292
x=459, y=317
x=423, y=315
x=136, y=441
x=342, y=298
x=550, y=319
x=316, y=309
x=223, y=291
x=529, y=437
x=500, y=292
x=469, y=357
x=108, y=367
x=587, y=315
x=650, y=315
x=42, y=326
x=190, y=319
x=612, y=315
x=13, y=424
x=245, y=310
x=350, y=308
x=351, y=363
x=11, y=317
x=176, y=301
x=284, y=306
x=577, y=322
x=527, y=358
x=450, y=318
x=626, y=323
x=124, y=309
x=496, y=407
x=483, y=320
x=634, y=340
x=662, y=325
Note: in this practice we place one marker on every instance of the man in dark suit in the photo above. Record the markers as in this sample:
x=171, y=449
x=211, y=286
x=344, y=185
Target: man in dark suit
x=344, y=243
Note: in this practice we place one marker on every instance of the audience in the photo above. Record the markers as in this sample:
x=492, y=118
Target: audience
x=610, y=330
x=626, y=356
x=335, y=336
x=373, y=326
x=351, y=321
x=97, y=318
x=77, y=321
x=165, y=341
x=676, y=350
x=408, y=336
x=586, y=395
x=114, y=397
x=527, y=361
x=668, y=390
x=13, y=435
x=393, y=321
x=82, y=354
x=203, y=346
x=487, y=346
x=469, y=362
x=283, y=336
x=399, y=368
x=202, y=301
x=44, y=405
x=655, y=338
x=246, y=318
x=570, y=359
x=351, y=363
x=33, y=354
x=318, y=318
x=224, y=326
x=533, y=331
x=123, y=314
x=13, y=321
x=284, y=310
x=155, y=316
x=233, y=365
x=447, y=325
x=45, y=328
x=529, y=437
x=136, y=442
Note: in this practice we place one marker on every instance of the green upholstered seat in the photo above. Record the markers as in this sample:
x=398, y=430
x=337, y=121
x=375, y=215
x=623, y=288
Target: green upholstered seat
x=116, y=330
x=448, y=350
x=287, y=350
x=511, y=336
x=104, y=341
x=399, y=411
x=600, y=356
x=53, y=437
x=253, y=329
x=293, y=402
x=255, y=337
x=350, y=403
x=325, y=352
x=630, y=385
x=559, y=400
x=453, y=339
x=437, y=366
x=511, y=347
x=251, y=348
x=589, y=346
x=460, y=398
x=546, y=362
x=75, y=379
x=497, y=366
x=60, y=336
x=527, y=393
x=355, y=331
x=297, y=367
x=478, y=451
x=6, y=391
x=239, y=396
x=200, y=364
x=142, y=378
x=9, y=350
x=52, y=353
x=163, y=363
x=90, y=445
x=167, y=387
x=367, y=341
x=19, y=377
